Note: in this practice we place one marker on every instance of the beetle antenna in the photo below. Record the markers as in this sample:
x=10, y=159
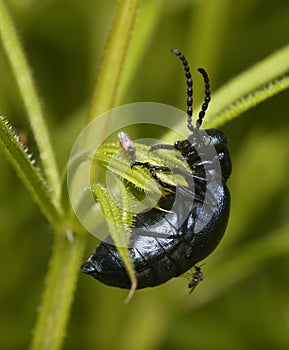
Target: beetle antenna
x=189, y=89
x=207, y=98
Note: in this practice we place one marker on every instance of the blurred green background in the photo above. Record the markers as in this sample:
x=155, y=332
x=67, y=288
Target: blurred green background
x=243, y=302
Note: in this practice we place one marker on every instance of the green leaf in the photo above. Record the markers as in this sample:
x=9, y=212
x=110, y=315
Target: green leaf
x=23, y=76
x=23, y=164
x=111, y=157
x=119, y=221
x=255, y=85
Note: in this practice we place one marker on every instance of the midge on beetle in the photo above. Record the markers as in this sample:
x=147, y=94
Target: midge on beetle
x=188, y=221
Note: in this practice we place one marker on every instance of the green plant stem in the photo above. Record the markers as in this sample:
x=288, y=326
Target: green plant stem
x=145, y=28
x=57, y=298
x=114, y=57
x=64, y=265
x=23, y=76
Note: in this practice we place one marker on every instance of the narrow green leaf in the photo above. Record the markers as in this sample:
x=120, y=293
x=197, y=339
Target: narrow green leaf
x=113, y=213
x=23, y=76
x=114, y=57
x=255, y=85
x=110, y=156
x=119, y=220
x=22, y=162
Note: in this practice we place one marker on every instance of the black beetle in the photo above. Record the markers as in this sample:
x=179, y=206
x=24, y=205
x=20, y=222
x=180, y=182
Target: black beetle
x=189, y=221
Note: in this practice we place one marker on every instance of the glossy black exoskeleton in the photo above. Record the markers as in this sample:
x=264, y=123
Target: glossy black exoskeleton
x=189, y=221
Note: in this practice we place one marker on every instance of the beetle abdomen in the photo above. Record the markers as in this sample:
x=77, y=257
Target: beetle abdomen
x=163, y=247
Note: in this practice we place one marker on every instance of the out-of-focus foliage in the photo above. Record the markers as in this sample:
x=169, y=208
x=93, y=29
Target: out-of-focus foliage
x=243, y=301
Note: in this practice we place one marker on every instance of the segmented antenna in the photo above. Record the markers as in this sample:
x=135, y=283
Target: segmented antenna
x=207, y=97
x=190, y=92
x=190, y=87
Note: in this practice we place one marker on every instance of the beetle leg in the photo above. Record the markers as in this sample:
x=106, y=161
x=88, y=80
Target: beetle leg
x=151, y=168
x=161, y=146
x=168, y=147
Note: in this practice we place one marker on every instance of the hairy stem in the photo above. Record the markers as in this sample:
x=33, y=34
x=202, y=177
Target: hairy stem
x=58, y=295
